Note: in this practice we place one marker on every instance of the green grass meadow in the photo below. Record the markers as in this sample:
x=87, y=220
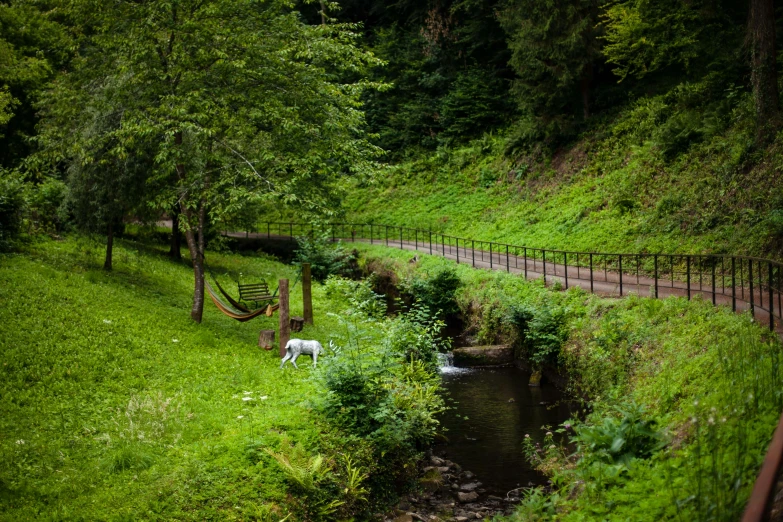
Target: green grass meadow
x=114, y=405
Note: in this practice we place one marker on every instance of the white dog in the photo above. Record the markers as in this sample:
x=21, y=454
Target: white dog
x=296, y=347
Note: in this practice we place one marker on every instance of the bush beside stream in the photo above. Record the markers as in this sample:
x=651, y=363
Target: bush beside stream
x=682, y=397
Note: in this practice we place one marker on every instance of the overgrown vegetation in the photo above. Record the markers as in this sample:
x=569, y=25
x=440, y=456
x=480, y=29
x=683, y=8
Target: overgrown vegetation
x=326, y=258
x=683, y=397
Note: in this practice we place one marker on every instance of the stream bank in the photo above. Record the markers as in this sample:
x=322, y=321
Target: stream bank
x=479, y=469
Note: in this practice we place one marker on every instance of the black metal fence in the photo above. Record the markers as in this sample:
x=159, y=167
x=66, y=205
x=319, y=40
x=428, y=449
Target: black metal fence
x=744, y=283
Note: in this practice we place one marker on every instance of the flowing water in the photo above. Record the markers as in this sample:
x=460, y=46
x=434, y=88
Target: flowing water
x=493, y=409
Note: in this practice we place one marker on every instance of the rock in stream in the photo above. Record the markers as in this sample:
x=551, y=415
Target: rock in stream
x=449, y=494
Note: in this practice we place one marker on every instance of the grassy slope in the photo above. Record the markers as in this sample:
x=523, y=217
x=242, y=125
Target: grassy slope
x=621, y=187
x=114, y=405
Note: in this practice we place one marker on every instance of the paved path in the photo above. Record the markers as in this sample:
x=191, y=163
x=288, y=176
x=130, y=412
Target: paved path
x=602, y=280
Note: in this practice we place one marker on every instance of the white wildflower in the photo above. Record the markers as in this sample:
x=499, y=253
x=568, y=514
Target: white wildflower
x=175, y=340
x=107, y=321
x=247, y=399
x=240, y=416
x=264, y=397
x=247, y=393
x=20, y=442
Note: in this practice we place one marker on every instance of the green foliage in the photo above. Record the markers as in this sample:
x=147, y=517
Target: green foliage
x=34, y=43
x=618, y=439
x=554, y=48
x=326, y=257
x=416, y=336
x=359, y=294
x=474, y=104
x=300, y=467
x=12, y=206
x=387, y=393
x=643, y=37
x=435, y=291
x=543, y=330
x=48, y=205
x=447, y=64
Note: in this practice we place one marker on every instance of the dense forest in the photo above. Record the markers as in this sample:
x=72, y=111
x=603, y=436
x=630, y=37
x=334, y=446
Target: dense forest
x=396, y=81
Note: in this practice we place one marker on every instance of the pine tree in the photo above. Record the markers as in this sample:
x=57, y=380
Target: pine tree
x=763, y=61
x=554, y=48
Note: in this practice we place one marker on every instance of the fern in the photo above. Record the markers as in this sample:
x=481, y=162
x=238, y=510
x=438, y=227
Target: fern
x=302, y=469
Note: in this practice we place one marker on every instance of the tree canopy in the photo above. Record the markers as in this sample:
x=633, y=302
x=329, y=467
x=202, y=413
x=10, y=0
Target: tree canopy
x=232, y=101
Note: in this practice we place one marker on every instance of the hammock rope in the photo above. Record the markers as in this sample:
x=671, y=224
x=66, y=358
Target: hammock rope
x=226, y=309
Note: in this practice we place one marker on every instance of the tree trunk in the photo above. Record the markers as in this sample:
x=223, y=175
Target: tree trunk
x=109, y=246
x=194, y=239
x=584, y=87
x=266, y=339
x=175, y=245
x=761, y=39
x=285, y=325
x=194, y=235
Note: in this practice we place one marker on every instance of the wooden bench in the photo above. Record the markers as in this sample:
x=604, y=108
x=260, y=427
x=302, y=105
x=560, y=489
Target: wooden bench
x=257, y=293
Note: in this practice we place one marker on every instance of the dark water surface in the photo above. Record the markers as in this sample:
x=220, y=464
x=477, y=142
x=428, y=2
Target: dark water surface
x=489, y=441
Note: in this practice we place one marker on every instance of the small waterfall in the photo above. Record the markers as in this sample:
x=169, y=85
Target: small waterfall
x=446, y=364
x=445, y=360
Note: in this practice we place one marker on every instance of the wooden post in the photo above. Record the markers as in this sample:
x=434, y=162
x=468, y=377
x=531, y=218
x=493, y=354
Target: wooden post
x=307, y=294
x=285, y=326
x=266, y=339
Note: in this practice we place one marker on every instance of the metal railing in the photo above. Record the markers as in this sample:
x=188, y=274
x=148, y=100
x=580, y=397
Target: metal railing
x=742, y=282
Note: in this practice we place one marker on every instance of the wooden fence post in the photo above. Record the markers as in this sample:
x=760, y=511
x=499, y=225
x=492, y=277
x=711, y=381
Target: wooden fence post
x=307, y=294
x=285, y=326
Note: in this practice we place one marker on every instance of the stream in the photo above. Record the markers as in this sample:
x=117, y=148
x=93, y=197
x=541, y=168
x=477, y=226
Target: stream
x=481, y=462
x=492, y=410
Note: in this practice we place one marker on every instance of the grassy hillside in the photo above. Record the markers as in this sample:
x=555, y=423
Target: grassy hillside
x=114, y=405
x=663, y=174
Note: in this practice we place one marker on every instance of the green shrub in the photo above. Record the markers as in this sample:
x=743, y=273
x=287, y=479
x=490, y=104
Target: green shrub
x=542, y=332
x=325, y=257
x=46, y=205
x=629, y=434
x=387, y=394
x=12, y=206
x=437, y=292
x=358, y=294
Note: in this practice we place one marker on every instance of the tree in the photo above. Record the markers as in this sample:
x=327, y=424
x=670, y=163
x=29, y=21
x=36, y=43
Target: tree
x=554, y=48
x=33, y=44
x=240, y=100
x=763, y=62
